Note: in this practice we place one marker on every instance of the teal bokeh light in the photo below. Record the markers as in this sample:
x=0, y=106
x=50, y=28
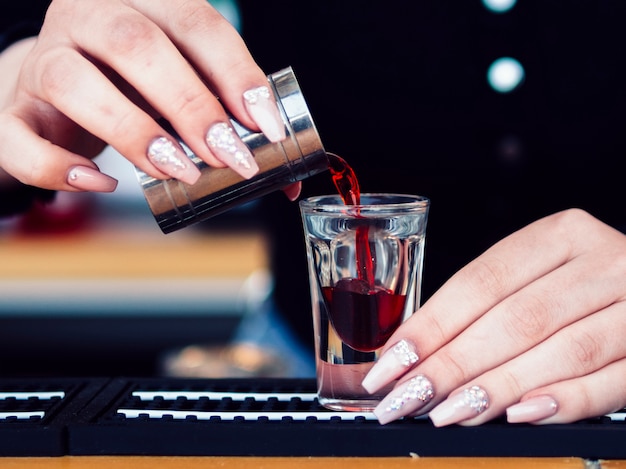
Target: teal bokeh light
x=229, y=10
x=499, y=6
x=505, y=74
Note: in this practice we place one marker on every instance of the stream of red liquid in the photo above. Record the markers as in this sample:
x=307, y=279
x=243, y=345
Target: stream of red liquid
x=363, y=314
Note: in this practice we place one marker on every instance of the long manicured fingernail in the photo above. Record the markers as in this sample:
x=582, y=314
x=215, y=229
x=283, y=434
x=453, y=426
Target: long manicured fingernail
x=262, y=108
x=89, y=179
x=391, y=365
x=532, y=410
x=230, y=150
x=406, y=399
x=171, y=159
x=460, y=406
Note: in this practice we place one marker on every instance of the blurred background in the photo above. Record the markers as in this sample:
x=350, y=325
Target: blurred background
x=499, y=111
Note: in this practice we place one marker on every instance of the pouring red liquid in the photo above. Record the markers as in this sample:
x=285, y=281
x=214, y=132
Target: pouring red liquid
x=363, y=313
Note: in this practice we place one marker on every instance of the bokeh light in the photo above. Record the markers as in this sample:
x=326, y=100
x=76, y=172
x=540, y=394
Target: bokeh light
x=505, y=74
x=229, y=10
x=499, y=6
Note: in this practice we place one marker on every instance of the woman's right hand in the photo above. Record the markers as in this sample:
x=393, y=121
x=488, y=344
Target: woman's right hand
x=103, y=72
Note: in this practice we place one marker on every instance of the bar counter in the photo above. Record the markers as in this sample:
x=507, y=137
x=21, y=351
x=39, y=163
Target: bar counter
x=152, y=462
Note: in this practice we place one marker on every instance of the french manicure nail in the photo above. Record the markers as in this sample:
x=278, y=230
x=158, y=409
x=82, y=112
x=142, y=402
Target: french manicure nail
x=230, y=150
x=460, y=406
x=532, y=410
x=406, y=399
x=89, y=179
x=263, y=110
x=172, y=160
x=393, y=363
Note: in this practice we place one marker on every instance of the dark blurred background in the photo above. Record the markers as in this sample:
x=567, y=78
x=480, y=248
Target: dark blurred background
x=400, y=90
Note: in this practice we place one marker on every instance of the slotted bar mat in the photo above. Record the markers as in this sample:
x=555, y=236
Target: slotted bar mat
x=256, y=417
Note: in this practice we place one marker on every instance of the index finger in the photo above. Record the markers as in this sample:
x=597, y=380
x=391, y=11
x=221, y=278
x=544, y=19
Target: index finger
x=215, y=49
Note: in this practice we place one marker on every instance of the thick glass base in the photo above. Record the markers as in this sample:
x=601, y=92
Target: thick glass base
x=349, y=405
x=339, y=387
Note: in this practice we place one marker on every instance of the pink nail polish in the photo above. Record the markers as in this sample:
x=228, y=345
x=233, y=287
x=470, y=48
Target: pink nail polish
x=171, y=159
x=459, y=407
x=406, y=399
x=532, y=410
x=392, y=364
x=263, y=110
x=89, y=179
x=230, y=150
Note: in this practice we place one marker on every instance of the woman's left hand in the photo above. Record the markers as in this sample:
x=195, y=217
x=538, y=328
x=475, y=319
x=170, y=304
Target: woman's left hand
x=533, y=328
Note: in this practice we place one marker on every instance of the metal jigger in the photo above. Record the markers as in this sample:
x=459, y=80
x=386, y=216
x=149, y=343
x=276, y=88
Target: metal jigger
x=175, y=204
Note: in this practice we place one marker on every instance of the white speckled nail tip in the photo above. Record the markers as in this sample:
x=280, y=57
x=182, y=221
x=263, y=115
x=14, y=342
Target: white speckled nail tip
x=230, y=150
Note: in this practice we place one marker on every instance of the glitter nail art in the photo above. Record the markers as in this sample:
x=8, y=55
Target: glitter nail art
x=221, y=138
x=419, y=388
x=252, y=96
x=392, y=364
x=404, y=351
x=163, y=153
x=476, y=398
x=264, y=111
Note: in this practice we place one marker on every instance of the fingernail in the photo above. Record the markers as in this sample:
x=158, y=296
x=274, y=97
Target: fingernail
x=292, y=191
x=532, y=410
x=89, y=179
x=459, y=407
x=263, y=110
x=405, y=399
x=170, y=159
x=393, y=363
x=230, y=150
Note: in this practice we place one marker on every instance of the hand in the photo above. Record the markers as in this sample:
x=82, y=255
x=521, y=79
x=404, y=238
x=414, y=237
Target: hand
x=102, y=72
x=534, y=327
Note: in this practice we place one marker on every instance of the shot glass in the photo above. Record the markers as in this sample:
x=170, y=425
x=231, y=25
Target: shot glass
x=365, y=271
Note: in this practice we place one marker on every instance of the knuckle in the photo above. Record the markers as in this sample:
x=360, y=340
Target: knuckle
x=511, y=383
x=566, y=224
x=191, y=102
x=55, y=81
x=41, y=172
x=199, y=17
x=619, y=262
x=488, y=277
x=124, y=125
x=121, y=125
x=585, y=399
x=129, y=34
x=436, y=327
x=455, y=369
x=613, y=259
x=586, y=352
x=529, y=319
x=569, y=218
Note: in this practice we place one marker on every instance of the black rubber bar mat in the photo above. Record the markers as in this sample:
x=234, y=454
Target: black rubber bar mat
x=256, y=417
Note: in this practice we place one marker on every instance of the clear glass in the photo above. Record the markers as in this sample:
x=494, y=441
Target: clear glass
x=365, y=272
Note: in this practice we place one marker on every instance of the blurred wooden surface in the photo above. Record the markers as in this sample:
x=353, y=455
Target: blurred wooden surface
x=151, y=462
x=132, y=253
